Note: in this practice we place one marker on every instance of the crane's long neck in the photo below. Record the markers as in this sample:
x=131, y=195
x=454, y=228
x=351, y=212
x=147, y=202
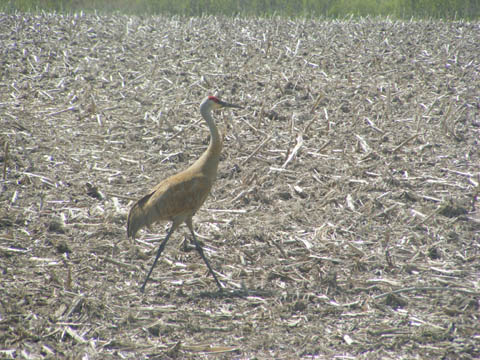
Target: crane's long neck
x=208, y=162
x=215, y=145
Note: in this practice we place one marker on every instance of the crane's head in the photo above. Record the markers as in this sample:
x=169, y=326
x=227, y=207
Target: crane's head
x=216, y=103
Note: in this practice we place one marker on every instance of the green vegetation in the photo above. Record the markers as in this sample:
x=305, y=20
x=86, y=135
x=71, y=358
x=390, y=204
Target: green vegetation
x=445, y=9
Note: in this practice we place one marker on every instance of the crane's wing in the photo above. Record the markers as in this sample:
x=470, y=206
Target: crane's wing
x=174, y=199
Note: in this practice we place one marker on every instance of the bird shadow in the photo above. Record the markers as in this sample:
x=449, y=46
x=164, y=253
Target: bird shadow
x=231, y=294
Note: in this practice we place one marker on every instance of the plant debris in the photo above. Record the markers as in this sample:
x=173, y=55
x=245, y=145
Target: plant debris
x=344, y=220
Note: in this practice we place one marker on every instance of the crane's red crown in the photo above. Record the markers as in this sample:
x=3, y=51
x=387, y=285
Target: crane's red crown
x=214, y=99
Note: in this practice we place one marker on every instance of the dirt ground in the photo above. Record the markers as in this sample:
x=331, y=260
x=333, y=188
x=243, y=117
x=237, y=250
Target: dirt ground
x=344, y=222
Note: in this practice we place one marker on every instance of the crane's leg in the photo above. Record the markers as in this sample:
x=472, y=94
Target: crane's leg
x=200, y=251
x=160, y=249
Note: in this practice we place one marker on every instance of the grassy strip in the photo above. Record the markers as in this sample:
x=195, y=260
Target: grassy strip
x=403, y=9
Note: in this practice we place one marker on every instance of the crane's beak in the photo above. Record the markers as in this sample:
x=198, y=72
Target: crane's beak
x=225, y=104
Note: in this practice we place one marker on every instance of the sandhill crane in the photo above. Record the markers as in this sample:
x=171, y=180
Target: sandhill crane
x=179, y=197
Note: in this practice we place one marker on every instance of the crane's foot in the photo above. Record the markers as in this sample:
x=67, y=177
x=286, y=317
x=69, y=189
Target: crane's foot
x=220, y=288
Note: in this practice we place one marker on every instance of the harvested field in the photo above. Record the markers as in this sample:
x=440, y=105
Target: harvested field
x=344, y=221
